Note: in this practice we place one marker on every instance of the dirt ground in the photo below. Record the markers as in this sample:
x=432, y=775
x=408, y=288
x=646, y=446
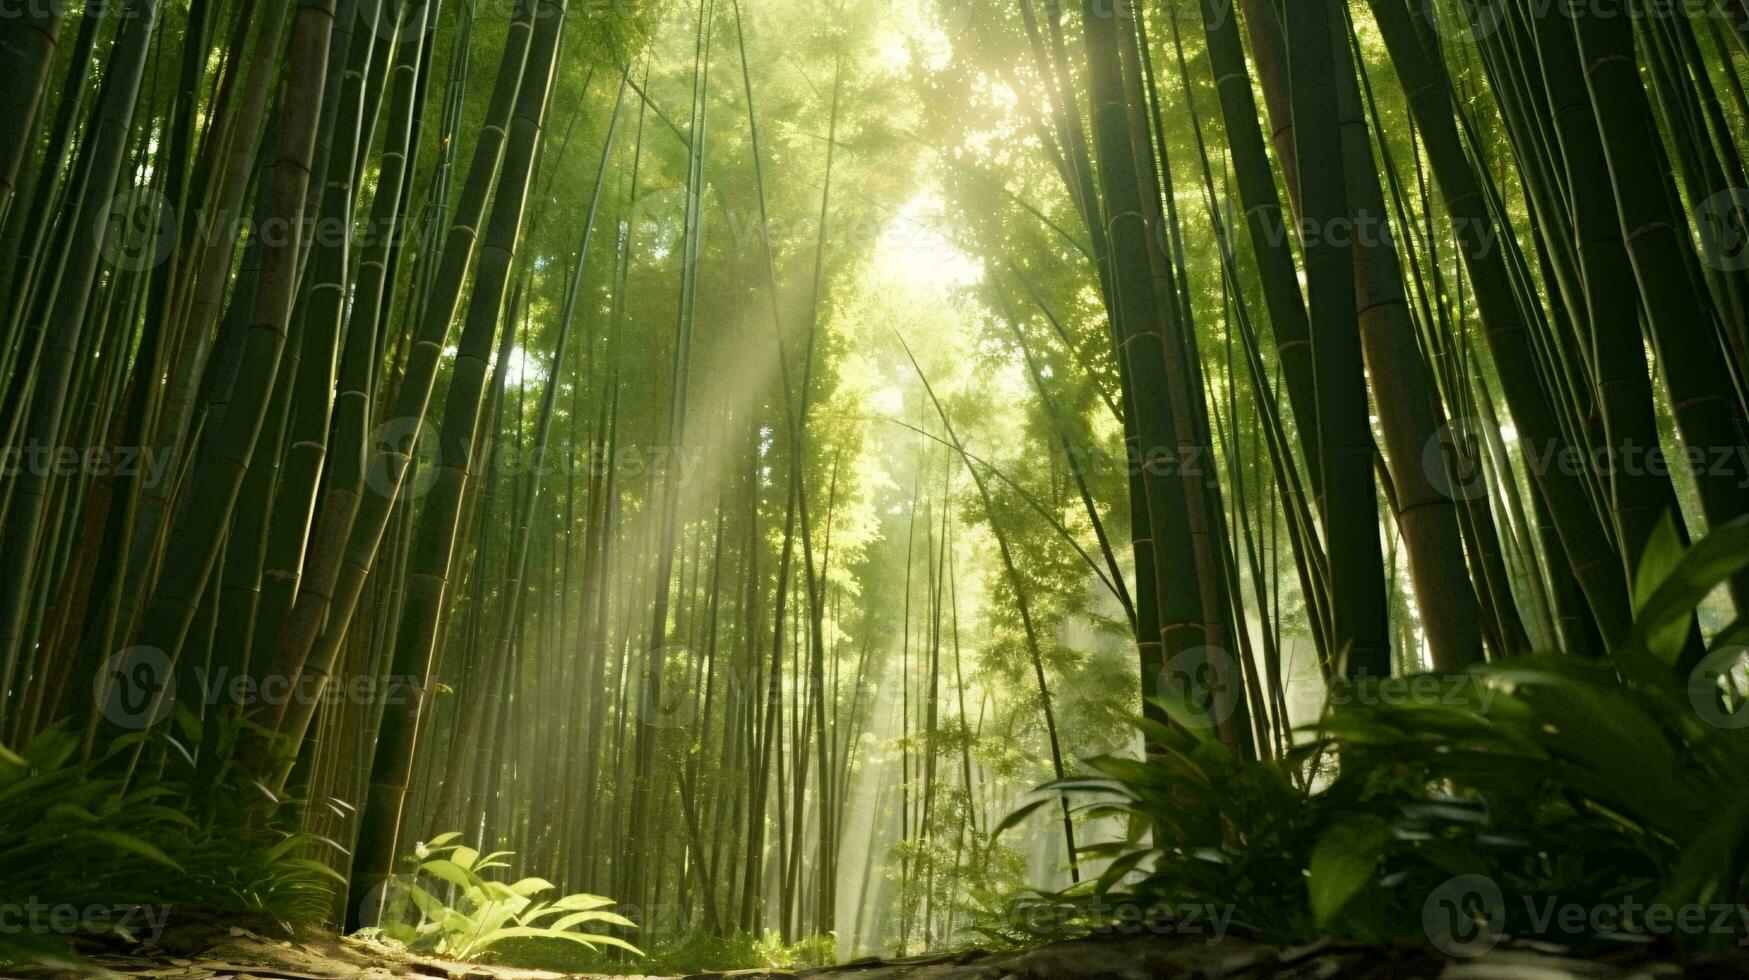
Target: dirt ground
x=235, y=949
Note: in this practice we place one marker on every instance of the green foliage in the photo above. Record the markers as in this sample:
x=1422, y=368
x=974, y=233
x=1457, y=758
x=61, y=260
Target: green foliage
x=1204, y=827
x=482, y=913
x=78, y=835
x=1559, y=780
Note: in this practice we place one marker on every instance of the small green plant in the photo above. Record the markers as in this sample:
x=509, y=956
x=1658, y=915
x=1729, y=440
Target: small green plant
x=82, y=842
x=1543, y=782
x=1203, y=827
x=481, y=914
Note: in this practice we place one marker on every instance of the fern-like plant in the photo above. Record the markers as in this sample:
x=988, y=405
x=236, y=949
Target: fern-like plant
x=77, y=835
x=1556, y=779
x=481, y=913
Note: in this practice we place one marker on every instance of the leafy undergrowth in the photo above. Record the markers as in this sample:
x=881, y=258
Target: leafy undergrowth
x=1544, y=796
x=87, y=851
x=445, y=904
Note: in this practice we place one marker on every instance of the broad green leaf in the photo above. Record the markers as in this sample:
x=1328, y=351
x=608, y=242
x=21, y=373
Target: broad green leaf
x=581, y=902
x=1344, y=863
x=12, y=765
x=442, y=839
x=530, y=932
x=135, y=845
x=72, y=812
x=451, y=872
x=429, y=905
x=1118, y=868
x=578, y=918
x=1015, y=817
x=529, y=887
x=315, y=867
x=1663, y=617
x=1712, y=861
x=1662, y=554
x=51, y=749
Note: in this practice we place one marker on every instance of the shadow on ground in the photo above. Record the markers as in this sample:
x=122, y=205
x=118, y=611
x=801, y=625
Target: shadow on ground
x=199, y=948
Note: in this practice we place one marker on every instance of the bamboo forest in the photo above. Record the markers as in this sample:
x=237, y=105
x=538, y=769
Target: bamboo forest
x=530, y=489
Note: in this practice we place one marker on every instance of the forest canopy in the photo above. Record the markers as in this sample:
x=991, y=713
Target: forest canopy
x=638, y=484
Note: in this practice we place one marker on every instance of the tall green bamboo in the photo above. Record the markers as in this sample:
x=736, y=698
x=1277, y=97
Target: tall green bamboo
x=350, y=523
x=1164, y=538
x=1036, y=654
x=1680, y=316
x=417, y=644
x=349, y=439
x=101, y=158
x=1595, y=563
x=649, y=728
x=322, y=310
x=27, y=50
x=1357, y=587
x=197, y=543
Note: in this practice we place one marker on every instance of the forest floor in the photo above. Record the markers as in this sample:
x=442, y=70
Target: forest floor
x=233, y=949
